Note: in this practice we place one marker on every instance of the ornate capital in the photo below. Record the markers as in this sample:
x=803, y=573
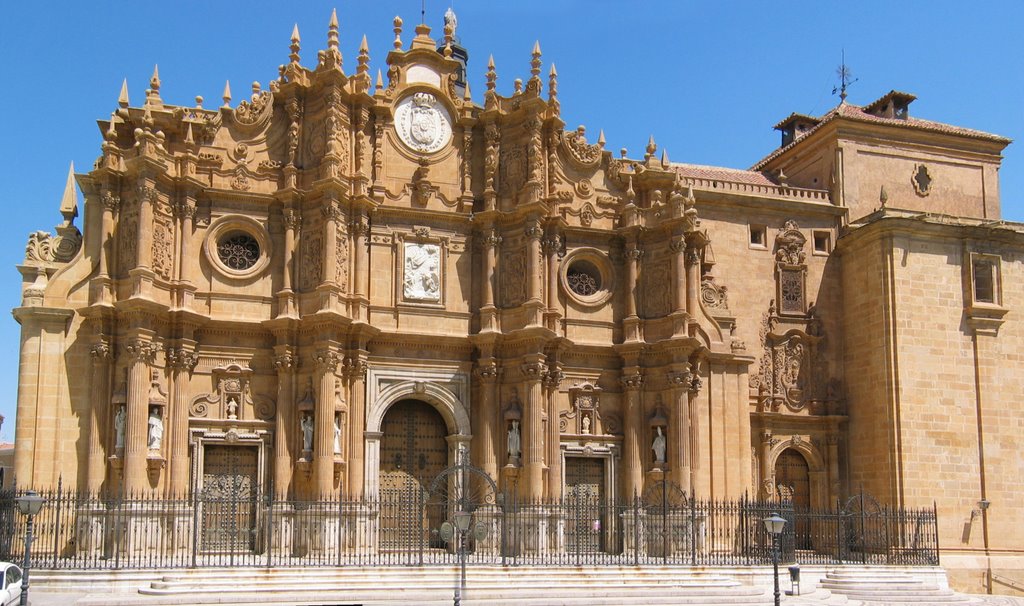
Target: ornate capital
x=552, y=244
x=553, y=378
x=292, y=218
x=678, y=244
x=492, y=240
x=487, y=372
x=534, y=371
x=284, y=362
x=100, y=353
x=180, y=358
x=326, y=360
x=110, y=201
x=679, y=379
x=632, y=381
x=186, y=208
x=533, y=232
x=634, y=253
x=144, y=193
x=332, y=210
x=141, y=350
x=692, y=256
x=359, y=227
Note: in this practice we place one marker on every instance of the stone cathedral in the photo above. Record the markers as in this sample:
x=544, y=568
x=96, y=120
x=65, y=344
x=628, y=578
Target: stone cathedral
x=335, y=285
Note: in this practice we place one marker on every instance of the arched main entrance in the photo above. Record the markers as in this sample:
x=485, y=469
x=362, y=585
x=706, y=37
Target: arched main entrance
x=793, y=482
x=413, y=451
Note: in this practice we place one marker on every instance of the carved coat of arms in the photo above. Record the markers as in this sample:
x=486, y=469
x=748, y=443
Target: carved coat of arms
x=423, y=123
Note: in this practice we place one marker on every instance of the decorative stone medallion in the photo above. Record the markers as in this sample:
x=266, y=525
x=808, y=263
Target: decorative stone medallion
x=423, y=123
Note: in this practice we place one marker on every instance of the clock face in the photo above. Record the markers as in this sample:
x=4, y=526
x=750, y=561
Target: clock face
x=423, y=123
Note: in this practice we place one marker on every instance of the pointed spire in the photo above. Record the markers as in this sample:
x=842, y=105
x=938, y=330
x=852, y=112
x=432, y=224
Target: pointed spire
x=664, y=158
x=630, y=193
x=189, y=139
x=552, y=83
x=380, y=81
x=492, y=75
x=467, y=97
x=651, y=146
x=600, y=139
x=535, y=61
x=363, y=60
x=227, y=94
x=332, y=56
x=332, y=30
x=690, y=199
x=294, y=56
x=883, y=196
x=122, y=99
x=69, y=201
x=154, y=81
x=398, y=32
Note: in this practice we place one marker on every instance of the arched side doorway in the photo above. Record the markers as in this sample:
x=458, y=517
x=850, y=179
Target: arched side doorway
x=793, y=484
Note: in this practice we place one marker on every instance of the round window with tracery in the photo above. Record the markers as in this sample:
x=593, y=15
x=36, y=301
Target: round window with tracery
x=583, y=278
x=238, y=251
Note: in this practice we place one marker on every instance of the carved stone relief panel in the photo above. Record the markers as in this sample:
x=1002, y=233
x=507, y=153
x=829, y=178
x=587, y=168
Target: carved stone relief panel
x=513, y=278
x=656, y=280
x=341, y=260
x=421, y=280
x=791, y=270
x=163, y=245
x=128, y=235
x=512, y=171
x=312, y=260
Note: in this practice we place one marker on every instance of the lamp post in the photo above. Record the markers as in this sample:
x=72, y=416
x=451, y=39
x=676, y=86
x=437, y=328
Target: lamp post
x=29, y=504
x=462, y=520
x=774, y=524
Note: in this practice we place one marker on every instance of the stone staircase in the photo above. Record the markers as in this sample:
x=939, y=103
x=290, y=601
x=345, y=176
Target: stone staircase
x=892, y=586
x=430, y=586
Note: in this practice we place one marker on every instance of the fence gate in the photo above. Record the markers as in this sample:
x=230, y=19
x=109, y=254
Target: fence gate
x=585, y=500
x=229, y=499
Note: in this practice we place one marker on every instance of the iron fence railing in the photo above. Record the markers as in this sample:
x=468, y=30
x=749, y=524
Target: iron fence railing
x=84, y=531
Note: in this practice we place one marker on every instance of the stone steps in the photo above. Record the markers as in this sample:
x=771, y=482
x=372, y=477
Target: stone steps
x=891, y=586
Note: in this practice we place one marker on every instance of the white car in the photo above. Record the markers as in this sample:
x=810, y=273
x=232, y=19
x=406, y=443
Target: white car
x=10, y=584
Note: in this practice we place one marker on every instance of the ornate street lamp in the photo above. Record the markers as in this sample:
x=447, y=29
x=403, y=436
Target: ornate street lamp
x=29, y=504
x=774, y=524
x=462, y=521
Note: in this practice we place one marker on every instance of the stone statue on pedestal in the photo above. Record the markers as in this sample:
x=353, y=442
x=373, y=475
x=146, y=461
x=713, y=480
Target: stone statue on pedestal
x=513, y=443
x=659, y=447
x=307, y=432
x=156, y=429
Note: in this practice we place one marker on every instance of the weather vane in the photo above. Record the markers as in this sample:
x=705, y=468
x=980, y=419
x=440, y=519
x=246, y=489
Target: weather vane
x=845, y=79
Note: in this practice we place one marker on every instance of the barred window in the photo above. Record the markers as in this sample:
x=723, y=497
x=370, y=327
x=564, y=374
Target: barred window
x=583, y=278
x=238, y=250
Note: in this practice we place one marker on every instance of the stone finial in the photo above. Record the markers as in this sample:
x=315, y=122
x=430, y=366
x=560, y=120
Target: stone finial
x=111, y=133
x=398, y=32
x=492, y=75
x=331, y=58
x=332, y=30
x=199, y=102
x=651, y=146
x=226, y=96
x=535, y=61
x=883, y=196
x=153, y=92
x=630, y=193
x=189, y=139
x=517, y=86
x=552, y=82
x=294, y=56
x=600, y=139
x=449, y=35
x=122, y=99
x=364, y=57
x=664, y=158
x=467, y=96
x=380, y=81
x=69, y=201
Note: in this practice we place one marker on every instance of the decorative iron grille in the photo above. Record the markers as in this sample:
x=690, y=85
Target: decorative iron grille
x=238, y=251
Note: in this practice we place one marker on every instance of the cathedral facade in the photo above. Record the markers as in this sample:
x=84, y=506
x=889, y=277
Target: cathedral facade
x=339, y=283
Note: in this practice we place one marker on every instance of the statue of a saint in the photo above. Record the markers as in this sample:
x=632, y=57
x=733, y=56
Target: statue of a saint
x=232, y=407
x=513, y=442
x=307, y=432
x=337, y=434
x=156, y=429
x=586, y=424
x=659, y=446
x=119, y=427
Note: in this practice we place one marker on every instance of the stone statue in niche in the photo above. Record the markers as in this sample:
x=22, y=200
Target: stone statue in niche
x=119, y=427
x=513, y=443
x=659, y=447
x=156, y=429
x=337, y=434
x=586, y=424
x=232, y=407
x=422, y=279
x=307, y=432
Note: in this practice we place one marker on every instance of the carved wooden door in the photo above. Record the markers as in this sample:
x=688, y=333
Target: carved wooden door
x=413, y=451
x=585, y=504
x=229, y=497
x=792, y=480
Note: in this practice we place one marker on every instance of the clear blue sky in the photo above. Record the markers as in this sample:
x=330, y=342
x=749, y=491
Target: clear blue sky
x=706, y=78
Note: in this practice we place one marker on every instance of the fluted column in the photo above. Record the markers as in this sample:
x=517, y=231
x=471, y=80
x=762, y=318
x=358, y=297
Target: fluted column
x=833, y=467
x=332, y=215
x=678, y=247
x=552, y=380
x=359, y=229
x=632, y=469
x=552, y=250
x=533, y=435
x=491, y=241
x=767, y=489
x=188, y=215
x=180, y=360
x=147, y=196
x=284, y=422
x=140, y=353
x=633, y=256
x=99, y=404
x=356, y=424
x=291, y=223
x=533, y=236
x=692, y=281
x=111, y=202
x=323, y=437
x=485, y=421
x=679, y=430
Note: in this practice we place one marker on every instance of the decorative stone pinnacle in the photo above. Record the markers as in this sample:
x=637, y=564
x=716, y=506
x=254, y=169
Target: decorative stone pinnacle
x=226, y=96
x=69, y=201
x=199, y=102
x=189, y=139
x=294, y=56
x=398, y=32
x=111, y=133
x=380, y=81
x=517, y=86
x=492, y=75
x=154, y=81
x=467, y=96
x=535, y=61
x=552, y=82
x=449, y=34
x=122, y=99
x=600, y=139
x=664, y=158
x=332, y=30
x=364, y=57
x=651, y=146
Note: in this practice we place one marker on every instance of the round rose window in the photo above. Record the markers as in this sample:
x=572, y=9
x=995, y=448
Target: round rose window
x=583, y=278
x=238, y=251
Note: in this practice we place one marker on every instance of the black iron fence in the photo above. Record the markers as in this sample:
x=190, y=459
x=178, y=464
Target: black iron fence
x=80, y=531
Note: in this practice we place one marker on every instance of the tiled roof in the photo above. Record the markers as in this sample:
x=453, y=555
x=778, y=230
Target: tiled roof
x=718, y=173
x=857, y=113
x=795, y=116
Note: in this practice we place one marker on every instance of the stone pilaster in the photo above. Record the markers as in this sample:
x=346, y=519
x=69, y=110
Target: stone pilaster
x=485, y=421
x=678, y=247
x=533, y=434
x=632, y=468
x=181, y=359
x=533, y=233
x=488, y=319
x=141, y=351
x=357, y=366
x=552, y=380
x=326, y=361
x=284, y=422
x=99, y=412
x=679, y=429
x=359, y=229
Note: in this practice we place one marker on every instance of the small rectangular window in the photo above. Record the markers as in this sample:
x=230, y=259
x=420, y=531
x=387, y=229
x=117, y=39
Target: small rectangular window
x=758, y=236
x=822, y=242
x=984, y=280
